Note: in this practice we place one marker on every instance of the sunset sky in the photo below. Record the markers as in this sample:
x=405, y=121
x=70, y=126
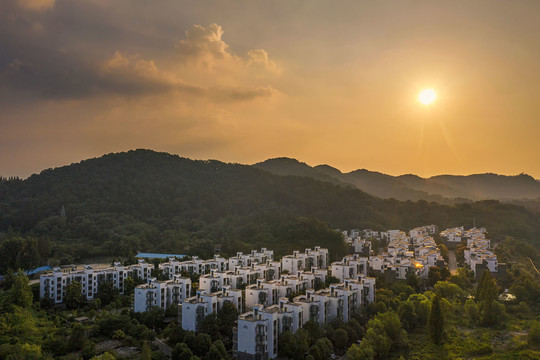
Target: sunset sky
x=325, y=82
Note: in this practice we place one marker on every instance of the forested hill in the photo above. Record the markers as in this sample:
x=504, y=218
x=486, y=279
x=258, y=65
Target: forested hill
x=143, y=200
x=446, y=189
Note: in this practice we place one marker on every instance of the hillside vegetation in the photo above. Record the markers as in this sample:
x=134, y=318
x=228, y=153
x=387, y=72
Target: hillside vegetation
x=444, y=189
x=142, y=200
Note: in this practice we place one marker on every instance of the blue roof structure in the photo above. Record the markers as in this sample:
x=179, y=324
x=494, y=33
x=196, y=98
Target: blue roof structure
x=37, y=270
x=158, y=256
x=33, y=271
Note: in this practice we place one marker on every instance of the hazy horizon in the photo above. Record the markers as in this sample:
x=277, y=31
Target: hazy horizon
x=261, y=161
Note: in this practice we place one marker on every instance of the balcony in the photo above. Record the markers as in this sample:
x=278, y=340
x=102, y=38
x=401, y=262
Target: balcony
x=260, y=350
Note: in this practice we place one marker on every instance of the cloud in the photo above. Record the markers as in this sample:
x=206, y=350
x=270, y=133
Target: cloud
x=36, y=5
x=204, y=46
x=260, y=58
x=35, y=64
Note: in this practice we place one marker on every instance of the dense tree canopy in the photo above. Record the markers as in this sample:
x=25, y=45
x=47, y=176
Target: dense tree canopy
x=146, y=201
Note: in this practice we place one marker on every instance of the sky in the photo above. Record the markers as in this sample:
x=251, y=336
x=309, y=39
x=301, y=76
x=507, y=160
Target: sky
x=242, y=81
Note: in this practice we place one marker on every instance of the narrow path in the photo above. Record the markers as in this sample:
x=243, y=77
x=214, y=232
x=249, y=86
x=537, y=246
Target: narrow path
x=533, y=265
x=452, y=262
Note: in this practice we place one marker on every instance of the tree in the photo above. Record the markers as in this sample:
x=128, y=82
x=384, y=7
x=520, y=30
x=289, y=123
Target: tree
x=534, y=334
x=322, y=350
x=9, y=279
x=293, y=346
x=21, y=293
x=217, y=351
x=436, y=320
x=190, y=339
x=210, y=326
x=384, y=336
x=146, y=353
x=314, y=330
x=129, y=286
x=486, y=295
x=226, y=319
x=106, y=292
x=359, y=352
x=331, y=280
x=341, y=339
x=77, y=338
x=74, y=295
x=471, y=309
x=204, y=342
x=181, y=352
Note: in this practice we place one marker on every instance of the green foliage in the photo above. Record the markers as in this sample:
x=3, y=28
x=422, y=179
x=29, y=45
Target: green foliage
x=24, y=352
x=106, y=292
x=142, y=200
x=146, y=353
x=17, y=252
x=73, y=295
x=491, y=312
x=341, y=339
x=21, y=294
x=204, y=342
x=437, y=274
x=384, y=336
x=152, y=318
x=436, y=320
x=9, y=279
x=534, y=334
x=217, y=352
x=293, y=346
x=330, y=280
x=357, y=352
x=314, y=331
x=104, y=356
x=322, y=349
x=181, y=352
x=190, y=339
x=471, y=309
x=450, y=291
x=77, y=338
x=464, y=278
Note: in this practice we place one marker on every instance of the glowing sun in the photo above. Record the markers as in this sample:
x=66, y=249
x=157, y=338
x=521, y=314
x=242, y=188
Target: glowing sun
x=427, y=96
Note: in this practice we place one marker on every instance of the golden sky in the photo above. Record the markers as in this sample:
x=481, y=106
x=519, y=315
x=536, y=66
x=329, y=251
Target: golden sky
x=241, y=81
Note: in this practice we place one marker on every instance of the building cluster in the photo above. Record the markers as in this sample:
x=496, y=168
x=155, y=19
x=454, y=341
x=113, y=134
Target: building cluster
x=275, y=296
x=257, y=331
x=453, y=235
x=53, y=285
x=478, y=254
x=408, y=253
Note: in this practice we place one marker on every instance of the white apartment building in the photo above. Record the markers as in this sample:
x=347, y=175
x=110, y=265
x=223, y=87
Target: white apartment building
x=255, y=257
x=305, y=261
x=193, y=310
x=53, y=284
x=162, y=294
x=257, y=331
x=478, y=251
x=452, y=235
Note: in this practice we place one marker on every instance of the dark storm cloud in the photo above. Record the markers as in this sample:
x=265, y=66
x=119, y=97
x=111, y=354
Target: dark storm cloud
x=64, y=52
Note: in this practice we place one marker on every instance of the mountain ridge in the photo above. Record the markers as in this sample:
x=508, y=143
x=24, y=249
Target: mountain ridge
x=440, y=188
x=142, y=200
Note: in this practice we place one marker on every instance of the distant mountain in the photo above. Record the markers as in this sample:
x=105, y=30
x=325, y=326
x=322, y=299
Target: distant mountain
x=286, y=167
x=445, y=189
x=142, y=200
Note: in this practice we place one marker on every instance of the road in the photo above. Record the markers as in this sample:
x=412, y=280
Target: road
x=452, y=263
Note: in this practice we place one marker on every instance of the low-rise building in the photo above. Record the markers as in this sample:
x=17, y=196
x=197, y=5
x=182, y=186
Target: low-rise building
x=53, y=284
x=162, y=294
